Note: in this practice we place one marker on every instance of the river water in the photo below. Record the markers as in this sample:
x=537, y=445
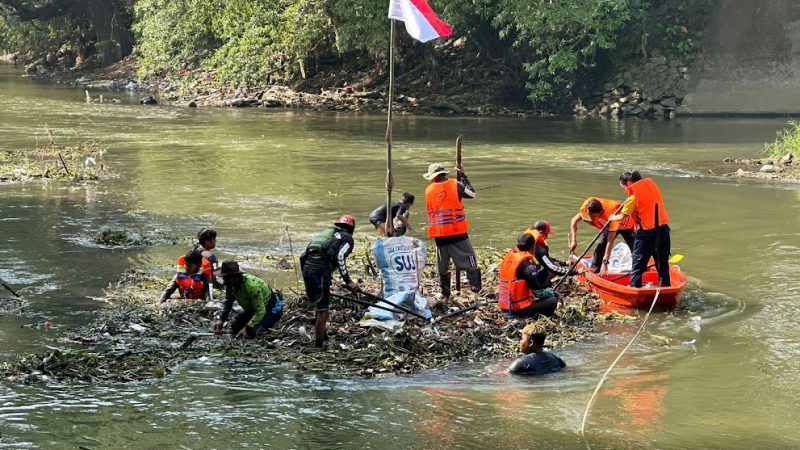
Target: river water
x=721, y=371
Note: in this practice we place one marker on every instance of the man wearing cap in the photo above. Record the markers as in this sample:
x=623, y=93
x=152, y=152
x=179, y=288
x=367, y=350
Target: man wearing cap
x=262, y=307
x=447, y=225
x=325, y=253
x=541, y=231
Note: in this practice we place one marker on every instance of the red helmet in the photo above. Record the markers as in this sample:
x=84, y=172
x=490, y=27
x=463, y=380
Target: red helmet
x=346, y=221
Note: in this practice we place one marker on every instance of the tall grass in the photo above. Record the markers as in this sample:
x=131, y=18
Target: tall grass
x=786, y=141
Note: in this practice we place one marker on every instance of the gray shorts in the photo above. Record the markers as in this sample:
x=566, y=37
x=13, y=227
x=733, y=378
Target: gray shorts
x=461, y=253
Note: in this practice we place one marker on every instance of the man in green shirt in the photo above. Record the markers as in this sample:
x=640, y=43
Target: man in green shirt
x=262, y=306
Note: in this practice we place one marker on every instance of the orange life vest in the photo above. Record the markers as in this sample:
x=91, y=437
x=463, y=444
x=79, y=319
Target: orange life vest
x=445, y=210
x=193, y=286
x=609, y=207
x=647, y=197
x=514, y=291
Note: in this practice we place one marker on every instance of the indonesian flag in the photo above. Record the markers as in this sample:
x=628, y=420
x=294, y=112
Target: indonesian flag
x=421, y=22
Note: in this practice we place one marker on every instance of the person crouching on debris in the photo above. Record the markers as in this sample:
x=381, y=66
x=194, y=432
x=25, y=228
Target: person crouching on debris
x=327, y=251
x=522, y=283
x=193, y=280
x=261, y=304
x=541, y=231
x=400, y=213
x=536, y=361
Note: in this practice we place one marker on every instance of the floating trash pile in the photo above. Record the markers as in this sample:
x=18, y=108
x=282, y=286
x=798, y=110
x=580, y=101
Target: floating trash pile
x=135, y=237
x=134, y=340
x=82, y=162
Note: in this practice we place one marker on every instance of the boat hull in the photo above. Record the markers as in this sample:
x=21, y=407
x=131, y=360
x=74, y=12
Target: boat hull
x=614, y=289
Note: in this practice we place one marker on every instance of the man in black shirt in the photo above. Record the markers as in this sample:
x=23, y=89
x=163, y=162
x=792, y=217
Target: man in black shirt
x=325, y=253
x=400, y=212
x=536, y=361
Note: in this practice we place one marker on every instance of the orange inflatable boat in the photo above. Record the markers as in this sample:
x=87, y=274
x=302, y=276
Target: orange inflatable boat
x=614, y=288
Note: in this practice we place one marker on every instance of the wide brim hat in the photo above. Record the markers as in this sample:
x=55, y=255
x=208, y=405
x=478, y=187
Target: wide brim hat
x=229, y=268
x=434, y=170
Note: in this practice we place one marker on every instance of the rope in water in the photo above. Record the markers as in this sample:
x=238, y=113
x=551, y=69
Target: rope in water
x=605, y=375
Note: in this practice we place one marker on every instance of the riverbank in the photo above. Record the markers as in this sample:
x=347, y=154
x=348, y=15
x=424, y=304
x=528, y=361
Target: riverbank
x=769, y=169
x=333, y=89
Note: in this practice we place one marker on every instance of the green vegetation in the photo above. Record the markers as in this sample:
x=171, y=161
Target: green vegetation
x=787, y=141
x=73, y=31
x=553, y=48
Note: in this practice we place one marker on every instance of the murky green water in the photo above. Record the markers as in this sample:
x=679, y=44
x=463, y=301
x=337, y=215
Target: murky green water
x=246, y=172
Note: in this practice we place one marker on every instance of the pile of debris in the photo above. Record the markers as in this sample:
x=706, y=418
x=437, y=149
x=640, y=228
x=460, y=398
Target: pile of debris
x=135, y=237
x=134, y=340
x=83, y=162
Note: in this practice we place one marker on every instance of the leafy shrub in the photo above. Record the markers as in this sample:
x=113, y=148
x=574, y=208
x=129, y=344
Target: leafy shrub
x=787, y=141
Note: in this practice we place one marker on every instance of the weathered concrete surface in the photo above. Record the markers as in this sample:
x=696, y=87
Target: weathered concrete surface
x=750, y=62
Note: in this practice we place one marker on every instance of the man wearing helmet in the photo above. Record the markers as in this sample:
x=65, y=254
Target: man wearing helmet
x=327, y=251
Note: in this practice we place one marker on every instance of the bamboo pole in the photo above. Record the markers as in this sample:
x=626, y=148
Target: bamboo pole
x=389, y=178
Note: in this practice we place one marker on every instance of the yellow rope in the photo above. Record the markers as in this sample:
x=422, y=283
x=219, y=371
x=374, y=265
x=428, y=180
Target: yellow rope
x=605, y=375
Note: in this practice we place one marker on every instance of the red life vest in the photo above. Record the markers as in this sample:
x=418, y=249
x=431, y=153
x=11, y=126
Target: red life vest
x=193, y=286
x=648, y=195
x=609, y=207
x=514, y=292
x=445, y=210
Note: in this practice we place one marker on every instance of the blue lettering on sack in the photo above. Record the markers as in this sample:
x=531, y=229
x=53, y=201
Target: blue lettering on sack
x=404, y=263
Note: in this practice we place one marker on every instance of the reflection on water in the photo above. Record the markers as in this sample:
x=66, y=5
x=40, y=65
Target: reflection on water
x=718, y=381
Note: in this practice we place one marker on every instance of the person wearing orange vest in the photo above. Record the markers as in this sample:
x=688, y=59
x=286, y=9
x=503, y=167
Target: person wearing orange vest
x=193, y=280
x=521, y=290
x=448, y=226
x=596, y=211
x=646, y=206
x=540, y=231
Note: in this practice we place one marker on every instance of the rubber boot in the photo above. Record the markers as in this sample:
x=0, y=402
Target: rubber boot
x=444, y=282
x=320, y=328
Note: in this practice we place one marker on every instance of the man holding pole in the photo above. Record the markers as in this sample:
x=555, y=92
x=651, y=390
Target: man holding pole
x=447, y=225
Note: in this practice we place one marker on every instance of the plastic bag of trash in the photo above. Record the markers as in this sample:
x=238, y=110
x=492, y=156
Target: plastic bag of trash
x=408, y=299
x=401, y=261
x=620, y=259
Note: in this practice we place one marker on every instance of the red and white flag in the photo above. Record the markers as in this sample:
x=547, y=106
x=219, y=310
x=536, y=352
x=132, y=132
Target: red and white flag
x=421, y=22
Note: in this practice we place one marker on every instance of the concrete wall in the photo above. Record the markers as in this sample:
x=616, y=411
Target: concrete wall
x=750, y=62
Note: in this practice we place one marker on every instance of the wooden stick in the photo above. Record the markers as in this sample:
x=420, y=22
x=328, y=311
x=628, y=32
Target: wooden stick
x=9, y=288
x=459, y=139
x=64, y=164
x=377, y=299
x=460, y=311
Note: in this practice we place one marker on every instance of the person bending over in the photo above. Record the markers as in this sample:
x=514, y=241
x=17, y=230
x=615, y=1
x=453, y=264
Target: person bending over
x=261, y=305
x=193, y=280
x=400, y=212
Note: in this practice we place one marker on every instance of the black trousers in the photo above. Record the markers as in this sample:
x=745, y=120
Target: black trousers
x=644, y=246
